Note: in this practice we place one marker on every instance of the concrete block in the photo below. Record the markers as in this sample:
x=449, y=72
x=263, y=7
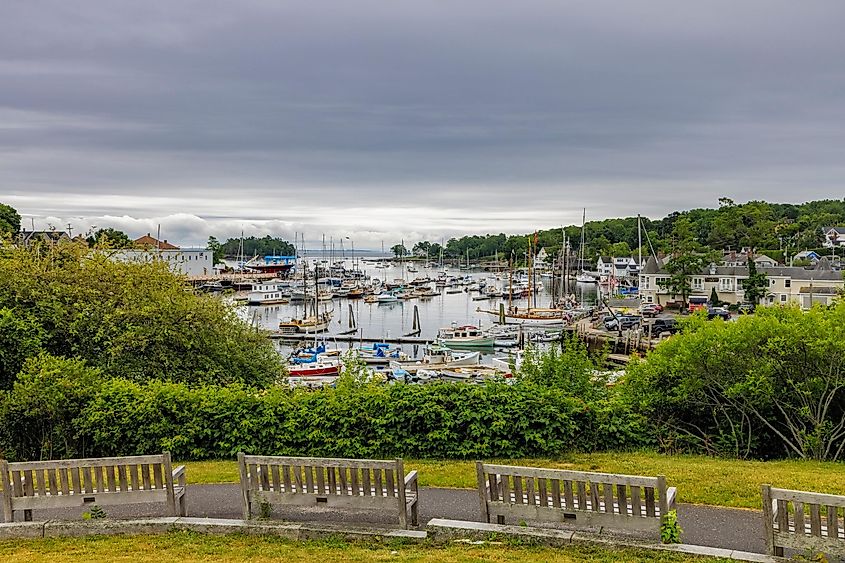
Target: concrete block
x=234, y=526
x=107, y=527
x=443, y=529
x=15, y=530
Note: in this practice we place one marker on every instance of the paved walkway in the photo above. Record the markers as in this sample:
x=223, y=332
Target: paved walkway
x=727, y=528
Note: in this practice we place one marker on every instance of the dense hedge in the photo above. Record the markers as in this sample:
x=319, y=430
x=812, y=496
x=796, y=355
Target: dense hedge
x=432, y=421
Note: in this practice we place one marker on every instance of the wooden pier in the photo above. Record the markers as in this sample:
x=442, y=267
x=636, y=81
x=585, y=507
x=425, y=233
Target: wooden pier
x=350, y=338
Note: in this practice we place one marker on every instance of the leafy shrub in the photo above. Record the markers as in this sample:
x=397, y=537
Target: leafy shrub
x=439, y=420
x=132, y=320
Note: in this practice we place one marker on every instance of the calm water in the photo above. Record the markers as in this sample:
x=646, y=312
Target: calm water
x=385, y=320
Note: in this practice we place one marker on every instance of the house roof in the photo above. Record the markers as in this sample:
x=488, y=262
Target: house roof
x=49, y=236
x=822, y=271
x=838, y=230
x=147, y=241
x=652, y=266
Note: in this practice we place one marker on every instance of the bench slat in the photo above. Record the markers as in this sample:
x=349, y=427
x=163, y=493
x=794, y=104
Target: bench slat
x=517, y=489
x=158, y=478
x=64, y=478
x=544, y=497
x=39, y=479
x=121, y=477
x=277, y=486
x=563, y=474
x=379, y=486
x=832, y=522
x=321, y=462
x=556, y=493
x=622, y=496
x=582, y=495
x=133, y=476
x=286, y=477
x=111, y=481
x=322, y=486
x=798, y=518
x=607, y=491
x=567, y=495
x=51, y=479
x=390, y=489
x=815, y=520
x=344, y=485
x=529, y=491
x=89, y=462
x=649, y=501
x=636, y=508
x=145, y=474
x=506, y=488
x=808, y=497
x=365, y=478
x=353, y=475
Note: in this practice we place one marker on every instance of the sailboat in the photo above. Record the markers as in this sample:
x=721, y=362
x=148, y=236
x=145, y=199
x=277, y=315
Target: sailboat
x=583, y=277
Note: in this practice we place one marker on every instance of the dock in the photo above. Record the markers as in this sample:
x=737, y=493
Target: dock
x=350, y=338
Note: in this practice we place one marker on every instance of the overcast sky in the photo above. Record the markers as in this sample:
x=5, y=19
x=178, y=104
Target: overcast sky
x=395, y=119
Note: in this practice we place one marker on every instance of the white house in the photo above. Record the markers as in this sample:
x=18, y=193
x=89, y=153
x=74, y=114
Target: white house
x=834, y=236
x=617, y=266
x=786, y=284
x=191, y=262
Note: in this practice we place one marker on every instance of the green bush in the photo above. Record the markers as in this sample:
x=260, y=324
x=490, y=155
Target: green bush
x=134, y=321
x=440, y=420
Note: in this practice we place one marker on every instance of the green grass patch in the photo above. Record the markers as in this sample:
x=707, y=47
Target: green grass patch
x=187, y=547
x=699, y=479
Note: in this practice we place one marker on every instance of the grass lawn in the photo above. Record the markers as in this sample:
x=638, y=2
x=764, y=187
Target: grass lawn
x=699, y=479
x=188, y=547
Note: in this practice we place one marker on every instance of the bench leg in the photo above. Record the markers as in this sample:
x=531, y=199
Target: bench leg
x=403, y=517
x=183, y=505
x=414, y=517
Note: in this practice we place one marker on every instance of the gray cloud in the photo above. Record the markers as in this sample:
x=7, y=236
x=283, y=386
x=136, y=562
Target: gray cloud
x=391, y=119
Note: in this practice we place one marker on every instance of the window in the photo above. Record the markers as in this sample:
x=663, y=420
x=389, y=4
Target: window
x=787, y=282
x=772, y=283
x=649, y=299
x=783, y=298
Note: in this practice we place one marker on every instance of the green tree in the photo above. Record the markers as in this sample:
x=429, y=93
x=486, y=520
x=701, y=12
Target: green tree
x=399, y=250
x=10, y=220
x=113, y=238
x=40, y=412
x=20, y=338
x=756, y=286
x=689, y=259
x=216, y=249
x=132, y=320
x=714, y=297
x=767, y=385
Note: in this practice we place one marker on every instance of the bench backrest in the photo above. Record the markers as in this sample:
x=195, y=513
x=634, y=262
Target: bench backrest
x=322, y=476
x=803, y=520
x=574, y=491
x=87, y=476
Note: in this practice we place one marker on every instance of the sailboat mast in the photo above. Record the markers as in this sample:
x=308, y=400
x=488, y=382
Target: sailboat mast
x=639, y=252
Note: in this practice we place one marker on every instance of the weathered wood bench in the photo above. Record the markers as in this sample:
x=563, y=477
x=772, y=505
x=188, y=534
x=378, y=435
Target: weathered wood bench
x=623, y=502
x=339, y=483
x=62, y=483
x=803, y=521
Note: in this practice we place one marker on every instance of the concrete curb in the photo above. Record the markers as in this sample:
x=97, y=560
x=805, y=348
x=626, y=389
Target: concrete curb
x=442, y=529
x=220, y=526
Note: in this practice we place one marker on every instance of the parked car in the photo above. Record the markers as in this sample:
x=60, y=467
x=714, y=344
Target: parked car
x=746, y=308
x=651, y=309
x=714, y=312
x=659, y=326
x=625, y=322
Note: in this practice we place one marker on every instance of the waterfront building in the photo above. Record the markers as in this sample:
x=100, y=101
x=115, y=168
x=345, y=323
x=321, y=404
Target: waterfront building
x=787, y=285
x=191, y=262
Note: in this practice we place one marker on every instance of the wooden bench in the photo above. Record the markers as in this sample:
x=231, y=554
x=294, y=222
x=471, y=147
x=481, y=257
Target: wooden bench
x=623, y=502
x=803, y=521
x=339, y=483
x=36, y=485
